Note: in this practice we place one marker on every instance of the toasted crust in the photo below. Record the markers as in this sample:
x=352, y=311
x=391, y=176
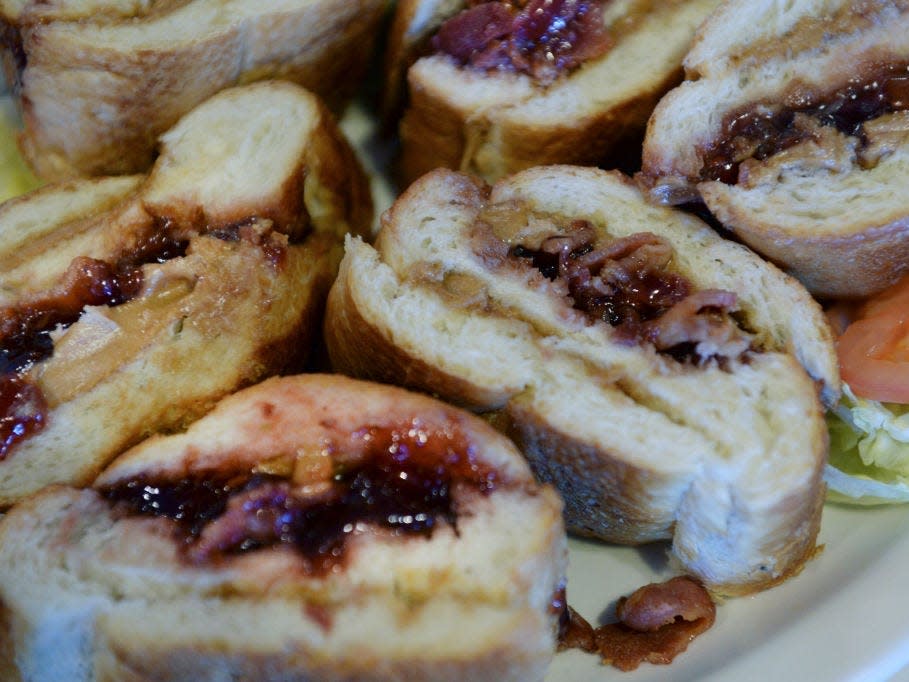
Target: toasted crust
x=492, y=124
x=830, y=209
x=640, y=449
x=471, y=604
x=244, y=302
x=350, y=330
x=412, y=25
x=306, y=175
x=99, y=82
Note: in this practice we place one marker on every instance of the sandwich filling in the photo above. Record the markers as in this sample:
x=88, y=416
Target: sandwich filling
x=541, y=38
x=403, y=480
x=626, y=282
x=27, y=328
x=760, y=131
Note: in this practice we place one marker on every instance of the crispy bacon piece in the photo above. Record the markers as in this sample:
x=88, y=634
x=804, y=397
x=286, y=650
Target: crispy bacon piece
x=474, y=30
x=656, y=623
x=653, y=606
x=575, y=632
x=700, y=320
x=628, y=283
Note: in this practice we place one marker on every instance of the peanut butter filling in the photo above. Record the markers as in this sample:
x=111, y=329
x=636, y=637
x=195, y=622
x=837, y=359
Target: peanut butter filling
x=762, y=130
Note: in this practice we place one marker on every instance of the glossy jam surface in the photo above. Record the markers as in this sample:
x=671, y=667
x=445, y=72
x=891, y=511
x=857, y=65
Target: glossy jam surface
x=543, y=38
x=23, y=411
x=759, y=132
x=403, y=483
x=630, y=284
x=643, y=291
x=25, y=329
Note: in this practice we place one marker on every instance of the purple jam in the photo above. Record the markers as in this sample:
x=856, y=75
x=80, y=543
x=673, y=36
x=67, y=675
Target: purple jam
x=759, y=132
x=402, y=484
x=543, y=38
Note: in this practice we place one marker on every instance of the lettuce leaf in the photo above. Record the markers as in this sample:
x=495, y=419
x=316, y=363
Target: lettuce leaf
x=869, y=451
x=15, y=176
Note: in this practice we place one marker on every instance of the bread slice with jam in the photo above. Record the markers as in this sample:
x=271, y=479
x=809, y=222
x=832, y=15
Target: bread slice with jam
x=793, y=128
x=670, y=383
x=130, y=305
x=308, y=527
x=497, y=87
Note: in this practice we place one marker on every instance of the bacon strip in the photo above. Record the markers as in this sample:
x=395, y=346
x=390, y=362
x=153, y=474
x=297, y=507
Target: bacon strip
x=657, y=622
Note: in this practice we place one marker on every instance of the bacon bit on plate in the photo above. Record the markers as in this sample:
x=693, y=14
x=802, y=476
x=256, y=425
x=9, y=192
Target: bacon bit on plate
x=656, y=623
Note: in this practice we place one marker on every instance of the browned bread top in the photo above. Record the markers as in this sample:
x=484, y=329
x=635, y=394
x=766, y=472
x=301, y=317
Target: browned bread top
x=100, y=80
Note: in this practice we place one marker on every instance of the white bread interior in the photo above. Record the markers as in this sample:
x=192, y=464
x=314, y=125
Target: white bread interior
x=99, y=81
x=494, y=123
x=725, y=462
x=828, y=211
x=304, y=172
x=93, y=595
x=226, y=314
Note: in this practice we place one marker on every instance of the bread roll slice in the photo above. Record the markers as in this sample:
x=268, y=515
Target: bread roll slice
x=491, y=120
x=131, y=304
x=792, y=127
x=309, y=527
x=713, y=439
x=100, y=80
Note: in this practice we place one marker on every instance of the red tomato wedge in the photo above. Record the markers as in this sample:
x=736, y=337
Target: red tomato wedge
x=874, y=349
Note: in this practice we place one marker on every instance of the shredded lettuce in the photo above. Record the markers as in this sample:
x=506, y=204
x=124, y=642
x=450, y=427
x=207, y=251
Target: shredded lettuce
x=869, y=451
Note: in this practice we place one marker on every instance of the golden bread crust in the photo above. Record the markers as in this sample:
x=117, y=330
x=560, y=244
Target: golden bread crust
x=243, y=299
x=145, y=70
x=494, y=123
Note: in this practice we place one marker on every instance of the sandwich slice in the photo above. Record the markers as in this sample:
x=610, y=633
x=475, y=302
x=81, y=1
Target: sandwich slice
x=793, y=128
x=131, y=304
x=99, y=81
x=496, y=87
x=309, y=527
x=669, y=383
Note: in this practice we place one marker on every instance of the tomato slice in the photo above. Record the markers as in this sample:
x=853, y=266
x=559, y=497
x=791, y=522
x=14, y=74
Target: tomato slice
x=874, y=349
x=889, y=301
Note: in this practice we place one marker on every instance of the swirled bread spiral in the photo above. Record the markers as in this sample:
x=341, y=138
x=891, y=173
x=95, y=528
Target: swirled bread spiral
x=793, y=128
x=666, y=380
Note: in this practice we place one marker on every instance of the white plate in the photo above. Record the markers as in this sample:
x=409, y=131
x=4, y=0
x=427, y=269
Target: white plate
x=845, y=617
